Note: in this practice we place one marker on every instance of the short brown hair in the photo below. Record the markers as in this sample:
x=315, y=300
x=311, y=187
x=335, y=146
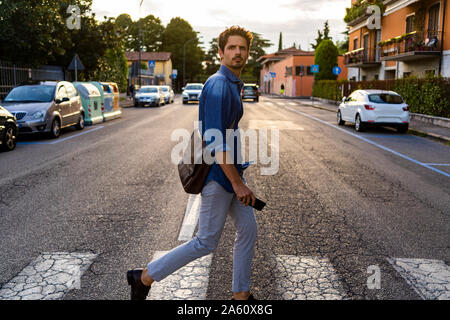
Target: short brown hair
x=234, y=31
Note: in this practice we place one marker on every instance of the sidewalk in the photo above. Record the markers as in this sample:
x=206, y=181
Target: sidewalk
x=416, y=127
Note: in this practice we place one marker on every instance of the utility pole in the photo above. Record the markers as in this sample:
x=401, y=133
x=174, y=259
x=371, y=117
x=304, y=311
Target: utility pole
x=139, y=66
x=184, y=60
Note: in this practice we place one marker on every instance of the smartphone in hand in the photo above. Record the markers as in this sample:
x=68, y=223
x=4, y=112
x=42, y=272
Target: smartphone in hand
x=259, y=205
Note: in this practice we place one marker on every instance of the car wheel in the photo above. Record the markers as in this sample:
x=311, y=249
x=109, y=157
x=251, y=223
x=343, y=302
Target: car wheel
x=55, y=129
x=185, y=102
x=80, y=124
x=359, y=126
x=339, y=118
x=10, y=139
x=402, y=129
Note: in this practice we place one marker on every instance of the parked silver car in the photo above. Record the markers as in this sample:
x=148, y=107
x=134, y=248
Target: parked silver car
x=45, y=106
x=169, y=95
x=149, y=96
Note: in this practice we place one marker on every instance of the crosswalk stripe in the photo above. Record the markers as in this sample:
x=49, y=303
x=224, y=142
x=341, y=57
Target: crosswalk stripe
x=49, y=277
x=187, y=283
x=190, y=218
x=305, y=278
x=429, y=278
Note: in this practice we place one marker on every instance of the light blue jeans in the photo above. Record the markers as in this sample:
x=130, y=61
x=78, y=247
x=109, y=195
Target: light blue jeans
x=215, y=204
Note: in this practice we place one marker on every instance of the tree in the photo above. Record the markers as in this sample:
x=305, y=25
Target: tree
x=177, y=32
x=322, y=36
x=343, y=45
x=280, y=42
x=113, y=67
x=212, y=59
x=326, y=57
x=253, y=68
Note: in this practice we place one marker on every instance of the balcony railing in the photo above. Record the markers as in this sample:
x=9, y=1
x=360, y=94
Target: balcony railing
x=412, y=46
x=364, y=57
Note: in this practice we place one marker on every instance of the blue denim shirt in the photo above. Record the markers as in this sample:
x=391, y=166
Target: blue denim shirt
x=221, y=104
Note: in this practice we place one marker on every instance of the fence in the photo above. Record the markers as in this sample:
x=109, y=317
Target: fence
x=12, y=75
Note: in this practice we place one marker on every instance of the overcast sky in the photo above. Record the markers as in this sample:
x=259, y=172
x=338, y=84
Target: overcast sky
x=298, y=20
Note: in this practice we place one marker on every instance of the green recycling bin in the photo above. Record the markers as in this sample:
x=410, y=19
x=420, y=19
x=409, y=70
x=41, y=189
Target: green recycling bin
x=91, y=100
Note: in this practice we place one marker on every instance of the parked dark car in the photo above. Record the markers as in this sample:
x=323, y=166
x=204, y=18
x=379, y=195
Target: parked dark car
x=8, y=130
x=45, y=106
x=250, y=91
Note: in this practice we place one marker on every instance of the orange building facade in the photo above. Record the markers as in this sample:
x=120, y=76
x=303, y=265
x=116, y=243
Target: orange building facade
x=412, y=39
x=291, y=68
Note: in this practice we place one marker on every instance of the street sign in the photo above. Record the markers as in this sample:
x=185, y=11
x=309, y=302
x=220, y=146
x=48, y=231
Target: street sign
x=315, y=68
x=75, y=64
x=273, y=74
x=151, y=64
x=175, y=72
x=336, y=71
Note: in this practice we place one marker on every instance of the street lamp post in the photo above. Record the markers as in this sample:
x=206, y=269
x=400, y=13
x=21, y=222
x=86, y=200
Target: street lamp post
x=139, y=66
x=184, y=59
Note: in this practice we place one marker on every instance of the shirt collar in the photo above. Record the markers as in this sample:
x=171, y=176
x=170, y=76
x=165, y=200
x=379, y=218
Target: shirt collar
x=229, y=74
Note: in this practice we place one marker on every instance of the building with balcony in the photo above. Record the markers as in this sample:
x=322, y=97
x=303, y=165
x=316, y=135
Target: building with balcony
x=158, y=69
x=412, y=38
x=291, y=68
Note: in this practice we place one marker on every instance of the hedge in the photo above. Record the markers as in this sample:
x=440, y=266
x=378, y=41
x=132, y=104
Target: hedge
x=430, y=96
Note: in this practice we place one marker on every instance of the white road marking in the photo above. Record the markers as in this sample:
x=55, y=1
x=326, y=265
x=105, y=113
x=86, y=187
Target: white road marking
x=282, y=125
x=438, y=164
x=190, y=218
x=429, y=278
x=49, y=277
x=305, y=278
x=63, y=139
x=187, y=283
x=373, y=143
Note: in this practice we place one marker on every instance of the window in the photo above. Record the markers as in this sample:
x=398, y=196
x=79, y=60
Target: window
x=355, y=43
x=406, y=74
x=288, y=71
x=376, y=77
x=308, y=71
x=62, y=93
x=364, y=78
x=385, y=98
x=410, y=23
x=300, y=70
x=433, y=19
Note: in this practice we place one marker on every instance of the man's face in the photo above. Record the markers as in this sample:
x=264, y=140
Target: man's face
x=235, y=53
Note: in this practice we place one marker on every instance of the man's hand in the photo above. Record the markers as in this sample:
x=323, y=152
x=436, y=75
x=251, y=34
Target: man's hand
x=244, y=194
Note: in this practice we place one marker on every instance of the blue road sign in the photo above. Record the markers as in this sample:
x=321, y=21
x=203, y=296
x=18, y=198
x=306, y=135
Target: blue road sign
x=273, y=74
x=151, y=64
x=315, y=68
x=336, y=71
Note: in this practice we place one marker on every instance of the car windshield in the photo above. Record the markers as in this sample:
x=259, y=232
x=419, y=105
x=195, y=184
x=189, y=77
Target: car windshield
x=194, y=87
x=249, y=88
x=148, y=90
x=33, y=93
x=385, y=98
x=165, y=89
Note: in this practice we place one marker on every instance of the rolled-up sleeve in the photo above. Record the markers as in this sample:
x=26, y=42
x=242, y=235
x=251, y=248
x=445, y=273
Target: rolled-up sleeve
x=217, y=106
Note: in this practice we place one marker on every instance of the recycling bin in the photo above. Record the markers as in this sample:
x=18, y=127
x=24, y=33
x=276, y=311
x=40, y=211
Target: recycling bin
x=91, y=100
x=107, y=97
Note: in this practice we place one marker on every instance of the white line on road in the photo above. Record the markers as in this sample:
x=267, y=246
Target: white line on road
x=429, y=278
x=190, y=218
x=306, y=278
x=438, y=164
x=373, y=143
x=63, y=139
x=49, y=277
x=187, y=283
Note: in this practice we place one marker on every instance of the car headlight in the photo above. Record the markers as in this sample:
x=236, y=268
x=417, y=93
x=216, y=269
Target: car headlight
x=185, y=94
x=37, y=115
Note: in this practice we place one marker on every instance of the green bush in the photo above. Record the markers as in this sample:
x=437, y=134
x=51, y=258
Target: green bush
x=326, y=56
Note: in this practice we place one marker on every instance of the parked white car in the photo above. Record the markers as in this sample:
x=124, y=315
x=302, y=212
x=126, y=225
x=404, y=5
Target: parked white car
x=192, y=92
x=149, y=96
x=374, y=107
x=169, y=95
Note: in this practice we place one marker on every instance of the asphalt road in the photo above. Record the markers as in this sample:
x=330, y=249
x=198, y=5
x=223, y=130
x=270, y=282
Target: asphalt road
x=354, y=200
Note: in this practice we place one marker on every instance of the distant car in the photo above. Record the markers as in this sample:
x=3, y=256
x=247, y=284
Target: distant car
x=8, y=130
x=45, y=106
x=250, y=91
x=192, y=92
x=374, y=107
x=169, y=95
x=149, y=96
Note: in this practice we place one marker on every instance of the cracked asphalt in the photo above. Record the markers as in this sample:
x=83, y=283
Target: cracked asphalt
x=336, y=201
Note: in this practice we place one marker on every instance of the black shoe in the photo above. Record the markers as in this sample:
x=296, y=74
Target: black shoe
x=139, y=291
